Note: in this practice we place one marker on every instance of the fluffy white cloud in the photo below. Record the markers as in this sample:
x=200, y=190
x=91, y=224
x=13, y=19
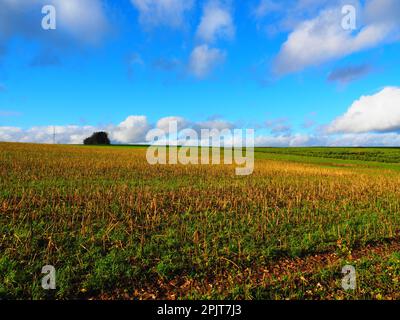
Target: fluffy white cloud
x=204, y=59
x=10, y=134
x=295, y=140
x=323, y=38
x=276, y=16
x=85, y=20
x=379, y=112
x=216, y=22
x=64, y=134
x=341, y=140
x=132, y=130
x=153, y=13
x=364, y=140
x=164, y=123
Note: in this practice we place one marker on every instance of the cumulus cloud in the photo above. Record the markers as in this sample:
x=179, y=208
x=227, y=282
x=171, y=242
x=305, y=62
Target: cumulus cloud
x=44, y=134
x=375, y=113
x=216, y=22
x=85, y=20
x=276, y=16
x=292, y=140
x=343, y=140
x=322, y=39
x=132, y=130
x=154, y=13
x=316, y=34
x=365, y=140
x=164, y=123
x=182, y=123
x=204, y=59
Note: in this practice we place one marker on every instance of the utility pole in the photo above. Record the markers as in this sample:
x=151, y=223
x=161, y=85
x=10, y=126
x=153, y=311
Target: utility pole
x=54, y=135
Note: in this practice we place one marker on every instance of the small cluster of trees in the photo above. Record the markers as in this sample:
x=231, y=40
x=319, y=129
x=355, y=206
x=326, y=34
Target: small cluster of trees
x=97, y=138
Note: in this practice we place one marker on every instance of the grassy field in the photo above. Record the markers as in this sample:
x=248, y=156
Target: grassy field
x=115, y=227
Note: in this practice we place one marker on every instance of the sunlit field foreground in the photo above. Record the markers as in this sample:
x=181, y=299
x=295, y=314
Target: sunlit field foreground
x=115, y=227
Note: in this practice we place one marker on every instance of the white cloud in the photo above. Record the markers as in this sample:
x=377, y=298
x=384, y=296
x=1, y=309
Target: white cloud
x=153, y=13
x=365, y=140
x=322, y=39
x=204, y=59
x=164, y=123
x=275, y=16
x=10, y=134
x=341, y=140
x=132, y=130
x=85, y=20
x=295, y=140
x=379, y=112
x=216, y=22
x=44, y=134
x=218, y=124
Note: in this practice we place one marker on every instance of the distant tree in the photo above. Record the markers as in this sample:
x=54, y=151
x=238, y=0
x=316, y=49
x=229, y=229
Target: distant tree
x=97, y=138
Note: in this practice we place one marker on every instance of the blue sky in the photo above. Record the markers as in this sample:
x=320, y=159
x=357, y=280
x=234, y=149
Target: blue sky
x=289, y=69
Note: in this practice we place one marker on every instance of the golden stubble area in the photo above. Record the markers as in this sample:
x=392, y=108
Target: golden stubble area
x=116, y=227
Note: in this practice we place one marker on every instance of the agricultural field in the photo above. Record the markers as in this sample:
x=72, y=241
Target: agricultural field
x=115, y=227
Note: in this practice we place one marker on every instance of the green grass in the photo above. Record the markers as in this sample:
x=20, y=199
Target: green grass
x=382, y=155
